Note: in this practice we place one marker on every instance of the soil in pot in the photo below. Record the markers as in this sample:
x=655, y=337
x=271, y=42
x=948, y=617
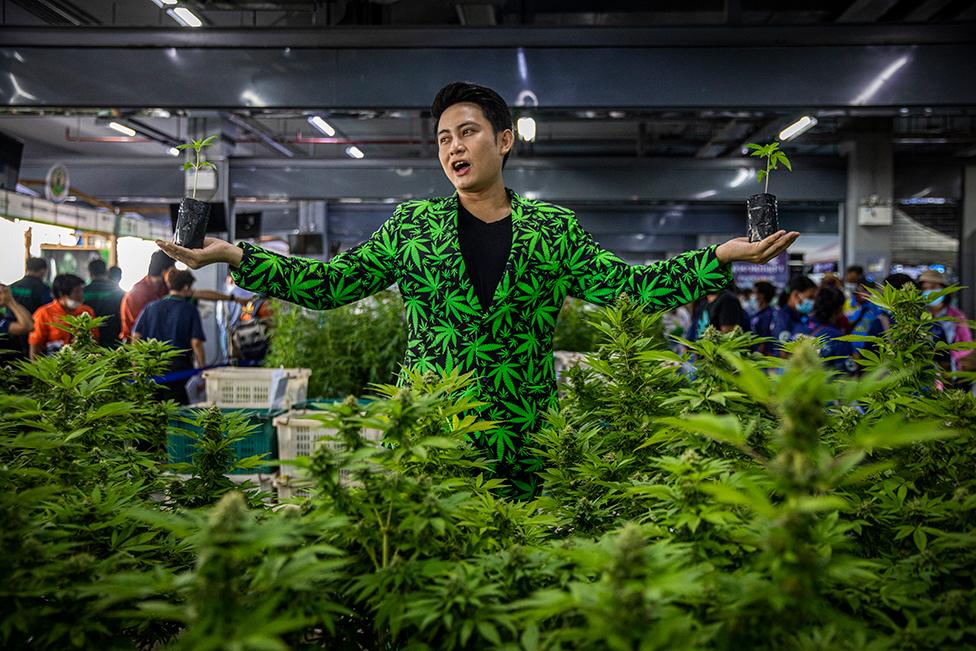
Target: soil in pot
x=191, y=223
x=763, y=219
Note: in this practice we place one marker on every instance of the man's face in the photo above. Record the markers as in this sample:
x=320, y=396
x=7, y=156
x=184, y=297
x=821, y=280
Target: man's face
x=929, y=285
x=77, y=295
x=470, y=152
x=852, y=278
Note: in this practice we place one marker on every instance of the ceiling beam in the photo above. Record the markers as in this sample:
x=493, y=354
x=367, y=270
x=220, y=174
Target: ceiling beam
x=489, y=37
x=866, y=11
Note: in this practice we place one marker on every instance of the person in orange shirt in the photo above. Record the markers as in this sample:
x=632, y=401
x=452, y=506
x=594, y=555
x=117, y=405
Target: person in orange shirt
x=48, y=336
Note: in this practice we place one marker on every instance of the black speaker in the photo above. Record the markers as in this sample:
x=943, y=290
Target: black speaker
x=11, y=152
x=247, y=225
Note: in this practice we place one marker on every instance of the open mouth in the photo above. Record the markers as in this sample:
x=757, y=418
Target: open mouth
x=461, y=167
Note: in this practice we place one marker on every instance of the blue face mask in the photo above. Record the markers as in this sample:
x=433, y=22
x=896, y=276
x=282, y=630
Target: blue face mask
x=805, y=306
x=934, y=303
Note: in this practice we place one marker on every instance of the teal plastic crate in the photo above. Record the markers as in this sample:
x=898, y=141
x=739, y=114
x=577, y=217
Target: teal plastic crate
x=263, y=439
x=315, y=404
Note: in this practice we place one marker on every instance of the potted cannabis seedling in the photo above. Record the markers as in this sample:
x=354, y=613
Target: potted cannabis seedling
x=191, y=224
x=763, y=218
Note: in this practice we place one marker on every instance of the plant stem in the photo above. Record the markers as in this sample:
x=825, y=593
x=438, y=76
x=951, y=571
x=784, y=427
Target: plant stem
x=766, y=187
x=196, y=174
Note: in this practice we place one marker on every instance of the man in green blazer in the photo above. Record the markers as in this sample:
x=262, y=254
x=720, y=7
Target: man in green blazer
x=483, y=274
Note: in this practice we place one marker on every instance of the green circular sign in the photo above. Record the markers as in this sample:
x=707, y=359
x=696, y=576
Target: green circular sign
x=57, y=184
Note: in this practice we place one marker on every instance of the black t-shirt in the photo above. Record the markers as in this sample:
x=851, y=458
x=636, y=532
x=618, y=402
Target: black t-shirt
x=485, y=248
x=105, y=298
x=31, y=293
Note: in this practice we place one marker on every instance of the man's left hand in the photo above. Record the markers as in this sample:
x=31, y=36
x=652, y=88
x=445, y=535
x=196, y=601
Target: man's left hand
x=742, y=250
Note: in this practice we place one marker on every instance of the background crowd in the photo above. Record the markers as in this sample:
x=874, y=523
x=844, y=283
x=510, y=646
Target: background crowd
x=830, y=310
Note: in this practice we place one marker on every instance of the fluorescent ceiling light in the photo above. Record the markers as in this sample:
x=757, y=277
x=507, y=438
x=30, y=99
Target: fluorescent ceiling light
x=879, y=81
x=173, y=151
x=121, y=128
x=164, y=3
x=706, y=194
x=741, y=177
x=322, y=125
x=355, y=152
x=803, y=124
x=526, y=129
x=184, y=17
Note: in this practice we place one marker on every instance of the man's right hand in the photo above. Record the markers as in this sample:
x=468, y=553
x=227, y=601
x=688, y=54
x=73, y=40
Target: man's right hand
x=5, y=295
x=214, y=250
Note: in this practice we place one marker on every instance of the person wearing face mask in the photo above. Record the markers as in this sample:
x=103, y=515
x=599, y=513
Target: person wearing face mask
x=49, y=334
x=821, y=324
x=761, y=306
x=956, y=330
x=796, y=304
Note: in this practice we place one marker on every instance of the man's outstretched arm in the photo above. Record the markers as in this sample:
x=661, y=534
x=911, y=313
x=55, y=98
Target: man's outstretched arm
x=598, y=276
x=354, y=274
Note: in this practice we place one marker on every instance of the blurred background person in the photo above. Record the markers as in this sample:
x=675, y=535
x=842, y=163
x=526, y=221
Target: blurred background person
x=796, y=304
x=49, y=334
x=104, y=296
x=15, y=320
x=827, y=304
x=175, y=320
x=32, y=292
x=952, y=331
x=721, y=310
x=115, y=275
x=761, y=322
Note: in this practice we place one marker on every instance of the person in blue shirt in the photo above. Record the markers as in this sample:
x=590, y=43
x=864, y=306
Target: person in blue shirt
x=795, y=307
x=176, y=321
x=761, y=306
x=827, y=305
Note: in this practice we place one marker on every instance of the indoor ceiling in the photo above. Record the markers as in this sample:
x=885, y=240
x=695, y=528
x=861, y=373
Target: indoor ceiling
x=317, y=13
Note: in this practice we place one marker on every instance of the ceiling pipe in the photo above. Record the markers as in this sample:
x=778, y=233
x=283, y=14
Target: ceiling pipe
x=264, y=136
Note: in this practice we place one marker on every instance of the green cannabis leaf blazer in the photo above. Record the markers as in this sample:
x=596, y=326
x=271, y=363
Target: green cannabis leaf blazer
x=507, y=344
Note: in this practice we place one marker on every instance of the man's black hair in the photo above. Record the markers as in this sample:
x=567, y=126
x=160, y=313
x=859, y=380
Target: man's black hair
x=495, y=109
x=115, y=273
x=766, y=290
x=898, y=280
x=180, y=280
x=64, y=284
x=827, y=303
x=97, y=268
x=159, y=263
x=35, y=265
x=856, y=269
x=800, y=283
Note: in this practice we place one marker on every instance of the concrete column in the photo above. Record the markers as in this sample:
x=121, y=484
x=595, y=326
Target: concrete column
x=967, y=242
x=313, y=219
x=870, y=179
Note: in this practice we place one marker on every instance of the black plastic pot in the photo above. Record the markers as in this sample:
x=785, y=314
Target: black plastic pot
x=763, y=218
x=191, y=224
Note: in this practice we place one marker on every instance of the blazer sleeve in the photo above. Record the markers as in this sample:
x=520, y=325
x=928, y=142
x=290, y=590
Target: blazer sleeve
x=598, y=276
x=350, y=276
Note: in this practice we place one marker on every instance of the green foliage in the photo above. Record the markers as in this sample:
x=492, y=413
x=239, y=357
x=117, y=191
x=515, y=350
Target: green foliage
x=774, y=158
x=574, y=330
x=739, y=502
x=198, y=163
x=347, y=349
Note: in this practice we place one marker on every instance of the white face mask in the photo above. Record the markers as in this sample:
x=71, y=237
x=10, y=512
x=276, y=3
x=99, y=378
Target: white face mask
x=72, y=304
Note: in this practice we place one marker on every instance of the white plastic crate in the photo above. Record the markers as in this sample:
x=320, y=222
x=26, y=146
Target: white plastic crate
x=233, y=386
x=299, y=434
